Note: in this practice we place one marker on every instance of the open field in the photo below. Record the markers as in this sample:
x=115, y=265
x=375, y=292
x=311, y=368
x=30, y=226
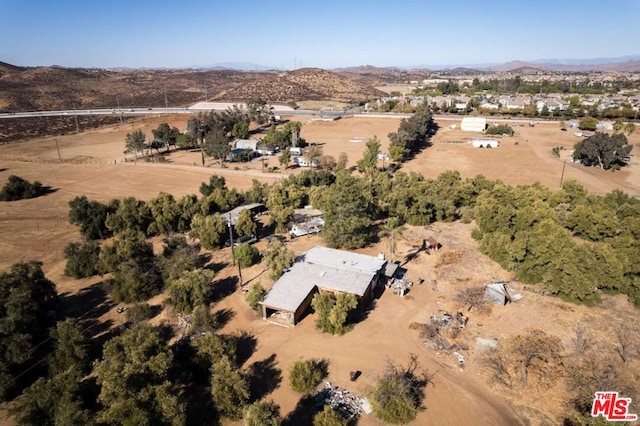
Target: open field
x=93, y=165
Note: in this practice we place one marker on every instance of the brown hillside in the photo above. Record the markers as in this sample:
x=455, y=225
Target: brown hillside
x=303, y=84
x=51, y=88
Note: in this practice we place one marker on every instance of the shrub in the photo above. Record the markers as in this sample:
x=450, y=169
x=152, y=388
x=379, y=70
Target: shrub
x=501, y=129
x=17, y=188
x=246, y=255
x=306, y=375
x=139, y=312
x=255, y=296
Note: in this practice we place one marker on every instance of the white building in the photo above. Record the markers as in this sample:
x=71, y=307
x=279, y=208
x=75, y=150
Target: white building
x=473, y=124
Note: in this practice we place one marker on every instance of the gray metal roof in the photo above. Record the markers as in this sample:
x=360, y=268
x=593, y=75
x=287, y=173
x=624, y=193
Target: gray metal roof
x=343, y=259
x=232, y=215
x=324, y=268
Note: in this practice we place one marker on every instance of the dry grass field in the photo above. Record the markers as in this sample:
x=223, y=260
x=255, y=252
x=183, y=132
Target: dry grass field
x=92, y=164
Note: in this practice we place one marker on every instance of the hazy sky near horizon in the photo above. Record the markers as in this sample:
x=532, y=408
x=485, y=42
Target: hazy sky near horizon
x=327, y=34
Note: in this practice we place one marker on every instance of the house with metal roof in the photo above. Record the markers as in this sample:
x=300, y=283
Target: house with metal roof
x=322, y=269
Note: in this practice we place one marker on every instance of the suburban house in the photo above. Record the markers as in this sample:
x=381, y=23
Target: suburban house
x=322, y=269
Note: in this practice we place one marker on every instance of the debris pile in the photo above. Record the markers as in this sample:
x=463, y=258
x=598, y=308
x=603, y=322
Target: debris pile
x=449, y=324
x=341, y=401
x=399, y=285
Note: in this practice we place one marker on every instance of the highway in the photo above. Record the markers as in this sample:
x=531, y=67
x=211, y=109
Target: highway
x=129, y=112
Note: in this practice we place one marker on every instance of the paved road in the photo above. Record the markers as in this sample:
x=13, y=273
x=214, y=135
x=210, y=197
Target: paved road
x=128, y=112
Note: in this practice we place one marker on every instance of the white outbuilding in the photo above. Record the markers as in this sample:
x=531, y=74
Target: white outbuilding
x=485, y=143
x=473, y=124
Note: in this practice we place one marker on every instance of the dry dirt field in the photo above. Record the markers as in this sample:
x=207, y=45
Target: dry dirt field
x=93, y=165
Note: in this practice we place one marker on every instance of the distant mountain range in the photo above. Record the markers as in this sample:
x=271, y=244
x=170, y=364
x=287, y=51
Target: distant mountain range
x=629, y=63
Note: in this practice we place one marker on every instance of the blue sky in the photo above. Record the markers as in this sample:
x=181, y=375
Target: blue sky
x=299, y=33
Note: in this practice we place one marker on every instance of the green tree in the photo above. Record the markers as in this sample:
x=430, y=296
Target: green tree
x=246, y=255
x=71, y=348
x=126, y=246
x=277, y=258
x=26, y=296
x=368, y=164
x=285, y=158
x=397, y=395
x=603, y=150
x=229, y=388
x=588, y=123
x=246, y=224
x=165, y=214
x=332, y=312
x=53, y=401
x=258, y=110
x=211, y=230
x=134, y=282
x=139, y=312
x=131, y=214
x=82, y=259
x=91, y=217
x=306, y=375
x=136, y=386
x=166, y=135
x=177, y=257
x=346, y=213
x=135, y=142
x=262, y=414
x=240, y=130
x=17, y=188
x=217, y=145
x=192, y=289
x=618, y=125
x=328, y=417
x=629, y=128
x=255, y=296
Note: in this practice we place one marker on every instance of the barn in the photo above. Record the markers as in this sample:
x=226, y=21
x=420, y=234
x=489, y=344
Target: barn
x=321, y=269
x=473, y=124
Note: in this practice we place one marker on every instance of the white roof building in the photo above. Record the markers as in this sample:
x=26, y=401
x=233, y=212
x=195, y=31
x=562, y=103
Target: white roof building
x=473, y=124
x=322, y=269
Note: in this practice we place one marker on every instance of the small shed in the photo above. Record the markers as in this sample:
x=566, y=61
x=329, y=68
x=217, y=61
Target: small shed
x=498, y=293
x=473, y=124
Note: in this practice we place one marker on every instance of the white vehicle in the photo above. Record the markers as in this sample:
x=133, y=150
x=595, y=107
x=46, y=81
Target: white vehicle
x=296, y=150
x=311, y=227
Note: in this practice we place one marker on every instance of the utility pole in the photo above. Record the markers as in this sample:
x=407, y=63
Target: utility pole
x=58, y=149
x=166, y=104
x=119, y=110
x=233, y=252
x=564, y=164
x=75, y=116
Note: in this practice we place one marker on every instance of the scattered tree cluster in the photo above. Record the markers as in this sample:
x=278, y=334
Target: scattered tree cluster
x=531, y=230
x=411, y=135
